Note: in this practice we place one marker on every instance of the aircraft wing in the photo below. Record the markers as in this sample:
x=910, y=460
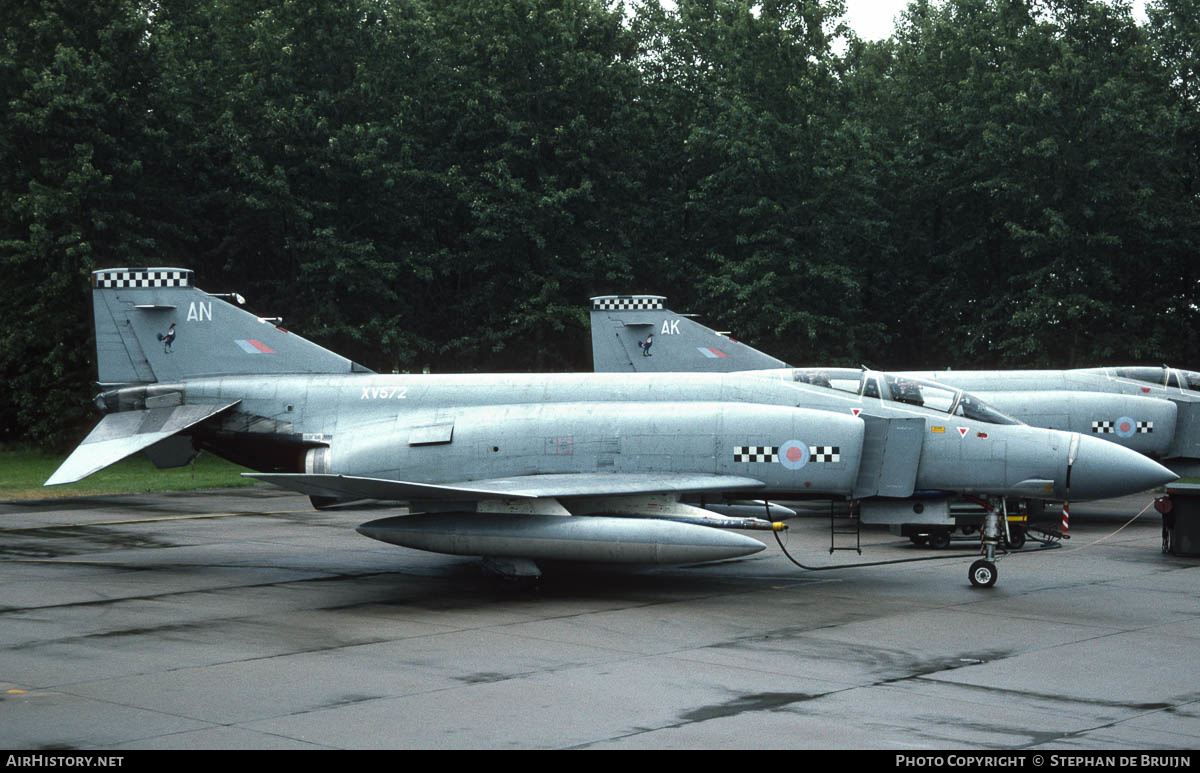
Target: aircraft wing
x=523, y=487
x=120, y=434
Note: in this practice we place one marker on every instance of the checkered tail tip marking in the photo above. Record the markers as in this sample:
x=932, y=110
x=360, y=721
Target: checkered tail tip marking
x=629, y=303
x=141, y=277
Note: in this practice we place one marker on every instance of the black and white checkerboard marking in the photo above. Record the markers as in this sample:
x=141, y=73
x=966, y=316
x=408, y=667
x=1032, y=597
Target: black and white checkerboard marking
x=756, y=453
x=141, y=278
x=628, y=303
x=824, y=454
x=767, y=454
x=1110, y=427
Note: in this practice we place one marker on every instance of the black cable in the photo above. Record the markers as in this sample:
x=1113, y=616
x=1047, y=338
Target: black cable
x=778, y=539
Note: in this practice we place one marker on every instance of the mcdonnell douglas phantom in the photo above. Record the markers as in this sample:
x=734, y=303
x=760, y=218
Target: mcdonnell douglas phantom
x=1154, y=411
x=520, y=468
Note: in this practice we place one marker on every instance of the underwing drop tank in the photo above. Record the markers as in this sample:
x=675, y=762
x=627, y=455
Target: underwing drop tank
x=598, y=539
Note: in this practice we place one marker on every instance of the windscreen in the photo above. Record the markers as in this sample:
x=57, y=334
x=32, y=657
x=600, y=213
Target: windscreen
x=971, y=407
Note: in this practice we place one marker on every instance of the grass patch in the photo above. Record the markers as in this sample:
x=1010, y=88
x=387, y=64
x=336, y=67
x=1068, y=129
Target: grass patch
x=22, y=474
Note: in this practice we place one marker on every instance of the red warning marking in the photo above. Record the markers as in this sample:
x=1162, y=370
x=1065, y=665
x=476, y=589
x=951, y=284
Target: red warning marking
x=856, y=411
x=1146, y=389
x=962, y=431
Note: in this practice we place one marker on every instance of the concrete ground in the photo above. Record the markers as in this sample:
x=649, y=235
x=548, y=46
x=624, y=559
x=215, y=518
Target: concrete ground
x=243, y=619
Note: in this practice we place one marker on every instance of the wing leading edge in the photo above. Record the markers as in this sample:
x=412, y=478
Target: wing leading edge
x=524, y=487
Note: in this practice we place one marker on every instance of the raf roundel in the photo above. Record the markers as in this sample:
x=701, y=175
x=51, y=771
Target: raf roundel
x=793, y=454
x=1126, y=427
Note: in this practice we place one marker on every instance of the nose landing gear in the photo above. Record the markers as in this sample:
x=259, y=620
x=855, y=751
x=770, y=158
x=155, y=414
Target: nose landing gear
x=982, y=573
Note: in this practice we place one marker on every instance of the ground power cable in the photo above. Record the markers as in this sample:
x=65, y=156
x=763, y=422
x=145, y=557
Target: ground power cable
x=1045, y=546
x=1114, y=533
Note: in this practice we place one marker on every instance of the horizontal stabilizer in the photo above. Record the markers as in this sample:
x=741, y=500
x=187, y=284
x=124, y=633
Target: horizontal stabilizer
x=120, y=434
x=524, y=487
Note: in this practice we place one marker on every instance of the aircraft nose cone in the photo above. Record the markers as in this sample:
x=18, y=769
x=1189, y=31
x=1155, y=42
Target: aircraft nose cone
x=1104, y=470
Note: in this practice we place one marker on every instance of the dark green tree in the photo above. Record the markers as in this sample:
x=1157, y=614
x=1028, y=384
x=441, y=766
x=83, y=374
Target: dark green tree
x=536, y=154
x=768, y=208
x=73, y=144
x=1174, y=31
x=1029, y=165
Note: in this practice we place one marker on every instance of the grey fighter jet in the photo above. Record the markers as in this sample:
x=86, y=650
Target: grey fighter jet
x=518, y=468
x=1154, y=411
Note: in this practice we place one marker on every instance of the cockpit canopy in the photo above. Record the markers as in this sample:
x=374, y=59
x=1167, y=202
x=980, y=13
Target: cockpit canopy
x=903, y=389
x=1162, y=376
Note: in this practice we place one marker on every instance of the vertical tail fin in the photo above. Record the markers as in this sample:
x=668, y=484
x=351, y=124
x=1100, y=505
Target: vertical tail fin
x=153, y=325
x=637, y=333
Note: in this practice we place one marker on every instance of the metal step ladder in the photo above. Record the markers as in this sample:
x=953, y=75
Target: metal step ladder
x=844, y=525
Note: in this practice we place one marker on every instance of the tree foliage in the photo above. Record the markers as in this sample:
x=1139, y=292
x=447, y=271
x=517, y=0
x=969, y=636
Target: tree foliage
x=421, y=184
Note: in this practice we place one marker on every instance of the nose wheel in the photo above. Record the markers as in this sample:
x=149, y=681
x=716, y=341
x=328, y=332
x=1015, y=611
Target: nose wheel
x=982, y=573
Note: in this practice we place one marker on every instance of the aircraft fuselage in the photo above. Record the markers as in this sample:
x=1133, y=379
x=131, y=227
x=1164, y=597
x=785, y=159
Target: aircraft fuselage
x=431, y=428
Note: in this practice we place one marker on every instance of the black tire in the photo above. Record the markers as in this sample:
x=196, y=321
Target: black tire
x=982, y=573
x=939, y=539
x=919, y=539
x=1016, y=536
